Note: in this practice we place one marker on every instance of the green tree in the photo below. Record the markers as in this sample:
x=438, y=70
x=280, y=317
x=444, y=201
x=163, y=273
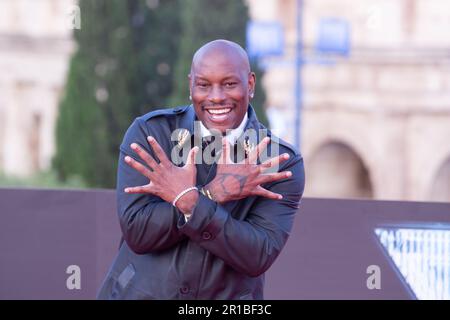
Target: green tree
x=121, y=69
x=201, y=22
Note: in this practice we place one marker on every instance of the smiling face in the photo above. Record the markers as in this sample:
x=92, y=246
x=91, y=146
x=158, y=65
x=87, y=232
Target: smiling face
x=221, y=84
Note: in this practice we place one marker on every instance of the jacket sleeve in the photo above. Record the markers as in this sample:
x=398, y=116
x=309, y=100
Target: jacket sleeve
x=148, y=223
x=251, y=245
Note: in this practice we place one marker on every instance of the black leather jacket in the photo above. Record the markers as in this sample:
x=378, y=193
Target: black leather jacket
x=222, y=252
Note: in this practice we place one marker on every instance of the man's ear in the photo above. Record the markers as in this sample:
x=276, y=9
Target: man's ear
x=251, y=84
x=190, y=84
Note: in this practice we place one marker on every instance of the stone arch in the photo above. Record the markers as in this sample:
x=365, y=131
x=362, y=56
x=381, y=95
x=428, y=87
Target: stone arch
x=440, y=186
x=336, y=170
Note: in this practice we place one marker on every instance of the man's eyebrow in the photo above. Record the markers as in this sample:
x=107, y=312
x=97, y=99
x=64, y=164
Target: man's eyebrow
x=232, y=77
x=201, y=78
x=227, y=77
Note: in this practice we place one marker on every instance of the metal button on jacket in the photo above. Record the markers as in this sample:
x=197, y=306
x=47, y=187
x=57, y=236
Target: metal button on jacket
x=206, y=235
x=184, y=290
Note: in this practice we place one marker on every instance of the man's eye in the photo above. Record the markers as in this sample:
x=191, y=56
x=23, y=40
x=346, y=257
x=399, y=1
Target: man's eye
x=230, y=84
x=202, y=85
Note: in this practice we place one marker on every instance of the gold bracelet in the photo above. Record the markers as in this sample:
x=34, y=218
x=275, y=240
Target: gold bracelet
x=207, y=193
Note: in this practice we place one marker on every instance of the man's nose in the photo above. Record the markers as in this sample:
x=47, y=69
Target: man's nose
x=216, y=94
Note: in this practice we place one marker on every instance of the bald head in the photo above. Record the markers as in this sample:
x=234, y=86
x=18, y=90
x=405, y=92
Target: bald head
x=221, y=84
x=222, y=49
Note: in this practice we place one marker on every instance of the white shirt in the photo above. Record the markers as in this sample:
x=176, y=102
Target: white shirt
x=232, y=135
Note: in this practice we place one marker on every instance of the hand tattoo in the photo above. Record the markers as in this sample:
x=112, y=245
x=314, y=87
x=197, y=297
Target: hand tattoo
x=241, y=179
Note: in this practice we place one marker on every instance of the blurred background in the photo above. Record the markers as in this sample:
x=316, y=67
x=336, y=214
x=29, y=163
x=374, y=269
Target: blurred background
x=362, y=87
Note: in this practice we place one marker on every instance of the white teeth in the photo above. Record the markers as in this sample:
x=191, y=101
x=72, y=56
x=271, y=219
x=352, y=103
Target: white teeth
x=219, y=111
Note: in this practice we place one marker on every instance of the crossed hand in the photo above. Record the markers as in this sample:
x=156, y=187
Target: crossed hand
x=233, y=181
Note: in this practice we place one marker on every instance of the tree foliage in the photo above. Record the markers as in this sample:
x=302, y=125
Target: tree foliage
x=122, y=68
x=132, y=56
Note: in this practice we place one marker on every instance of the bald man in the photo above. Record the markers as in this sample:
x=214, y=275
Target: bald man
x=206, y=194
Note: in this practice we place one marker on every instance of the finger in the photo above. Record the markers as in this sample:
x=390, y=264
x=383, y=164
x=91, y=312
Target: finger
x=260, y=191
x=270, y=163
x=144, y=155
x=158, y=151
x=225, y=156
x=253, y=156
x=270, y=177
x=191, y=156
x=139, y=189
x=138, y=166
